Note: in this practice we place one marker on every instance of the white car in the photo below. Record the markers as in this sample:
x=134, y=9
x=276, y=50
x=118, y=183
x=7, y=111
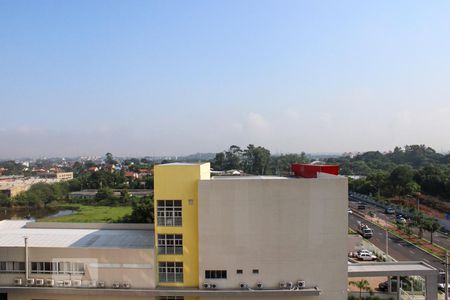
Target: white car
x=350, y=211
x=366, y=256
x=441, y=286
x=364, y=251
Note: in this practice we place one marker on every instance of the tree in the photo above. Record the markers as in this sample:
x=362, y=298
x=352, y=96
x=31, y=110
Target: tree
x=218, y=163
x=109, y=159
x=256, y=160
x=377, y=181
x=5, y=201
x=419, y=222
x=142, y=212
x=432, y=225
x=362, y=285
x=105, y=193
x=399, y=178
x=233, y=158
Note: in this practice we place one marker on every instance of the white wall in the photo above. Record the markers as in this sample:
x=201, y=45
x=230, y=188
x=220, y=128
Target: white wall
x=289, y=229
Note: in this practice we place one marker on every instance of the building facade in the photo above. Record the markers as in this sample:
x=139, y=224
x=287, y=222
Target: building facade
x=251, y=233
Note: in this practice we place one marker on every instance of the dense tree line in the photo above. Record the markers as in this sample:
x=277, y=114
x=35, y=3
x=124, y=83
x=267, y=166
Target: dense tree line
x=415, y=168
x=255, y=160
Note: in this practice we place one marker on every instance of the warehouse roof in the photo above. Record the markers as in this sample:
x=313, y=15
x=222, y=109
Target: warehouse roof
x=73, y=235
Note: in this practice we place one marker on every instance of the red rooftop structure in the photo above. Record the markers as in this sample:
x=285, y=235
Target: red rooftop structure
x=310, y=171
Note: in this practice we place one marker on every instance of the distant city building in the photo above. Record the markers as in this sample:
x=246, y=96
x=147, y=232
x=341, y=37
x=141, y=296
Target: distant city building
x=14, y=185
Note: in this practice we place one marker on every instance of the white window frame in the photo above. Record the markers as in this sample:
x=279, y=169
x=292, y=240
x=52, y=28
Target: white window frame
x=170, y=244
x=169, y=213
x=170, y=271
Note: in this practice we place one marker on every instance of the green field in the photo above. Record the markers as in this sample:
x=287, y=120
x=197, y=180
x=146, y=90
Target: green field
x=92, y=214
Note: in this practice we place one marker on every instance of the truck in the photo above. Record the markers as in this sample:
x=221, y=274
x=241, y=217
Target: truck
x=364, y=230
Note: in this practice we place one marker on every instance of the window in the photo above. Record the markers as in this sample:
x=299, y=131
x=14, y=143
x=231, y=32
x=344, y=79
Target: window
x=12, y=267
x=170, y=244
x=216, y=274
x=239, y=272
x=255, y=271
x=170, y=271
x=57, y=268
x=169, y=213
x=170, y=298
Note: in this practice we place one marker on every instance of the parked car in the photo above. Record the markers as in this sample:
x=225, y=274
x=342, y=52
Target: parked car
x=383, y=286
x=389, y=210
x=401, y=220
x=350, y=211
x=366, y=256
x=363, y=251
x=361, y=206
x=441, y=287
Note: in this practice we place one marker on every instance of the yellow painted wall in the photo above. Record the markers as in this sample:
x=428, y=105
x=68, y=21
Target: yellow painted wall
x=180, y=182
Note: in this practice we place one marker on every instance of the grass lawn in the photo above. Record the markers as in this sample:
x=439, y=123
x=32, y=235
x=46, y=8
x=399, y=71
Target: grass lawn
x=92, y=214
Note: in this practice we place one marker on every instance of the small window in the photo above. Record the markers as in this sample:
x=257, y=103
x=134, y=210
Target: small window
x=191, y=202
x=255, y=271
x=216, y=274
x=239, y=272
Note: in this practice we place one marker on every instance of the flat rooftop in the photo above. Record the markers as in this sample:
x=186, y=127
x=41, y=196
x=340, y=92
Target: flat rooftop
x=181, y=164
x=73, y=235
x=250, y=177
x=403, y=268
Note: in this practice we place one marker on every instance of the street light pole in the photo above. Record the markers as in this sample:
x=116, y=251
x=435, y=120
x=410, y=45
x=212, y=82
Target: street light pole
x=387, y=245
x=446, y=275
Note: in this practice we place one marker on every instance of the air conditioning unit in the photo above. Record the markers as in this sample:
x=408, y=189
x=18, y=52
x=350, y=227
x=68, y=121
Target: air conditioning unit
x=67, y=283
x=39, y=282
x=92, y=284
x=116, y=285
x=213, y=286
x=259, y=285
x=100, y=284
x=59, y=283
x=206, y=285
x=49, y=282
x=301, y=284
x=283, y=285
x=126, y=285
x=30, y=281
x=243, y=285
x=18, y=281
x=76, y=283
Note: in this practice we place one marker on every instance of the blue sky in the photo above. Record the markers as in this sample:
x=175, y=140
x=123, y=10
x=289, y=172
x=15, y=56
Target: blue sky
x=177, y=77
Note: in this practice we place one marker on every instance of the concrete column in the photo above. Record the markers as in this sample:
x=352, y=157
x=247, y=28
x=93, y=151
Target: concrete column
x=431, y=287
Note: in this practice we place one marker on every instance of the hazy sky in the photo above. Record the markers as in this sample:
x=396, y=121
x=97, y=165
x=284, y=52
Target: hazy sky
x=177, y=77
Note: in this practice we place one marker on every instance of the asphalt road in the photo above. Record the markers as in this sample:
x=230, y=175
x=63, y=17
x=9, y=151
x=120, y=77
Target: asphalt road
x=398, y=249
x=439, y=238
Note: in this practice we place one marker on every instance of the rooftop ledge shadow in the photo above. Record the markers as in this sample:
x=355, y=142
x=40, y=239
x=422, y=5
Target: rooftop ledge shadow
x=166, y=292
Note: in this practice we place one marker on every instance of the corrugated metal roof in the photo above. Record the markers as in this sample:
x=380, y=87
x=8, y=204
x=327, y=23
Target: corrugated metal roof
x=13, y=233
